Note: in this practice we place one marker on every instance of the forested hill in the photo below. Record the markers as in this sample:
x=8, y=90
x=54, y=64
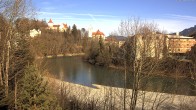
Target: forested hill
x=189, y=32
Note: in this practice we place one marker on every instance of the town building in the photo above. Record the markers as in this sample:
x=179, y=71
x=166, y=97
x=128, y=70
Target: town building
x=116, y=40
x=179, y=44
x=35, y=32
x=90, y=31
x=97, y=35
x=150, y=45
x=58, y=27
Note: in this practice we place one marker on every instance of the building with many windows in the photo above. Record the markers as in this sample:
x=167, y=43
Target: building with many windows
x=180, y=44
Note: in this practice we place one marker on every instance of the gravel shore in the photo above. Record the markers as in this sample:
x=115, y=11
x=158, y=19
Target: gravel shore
x=115, y=96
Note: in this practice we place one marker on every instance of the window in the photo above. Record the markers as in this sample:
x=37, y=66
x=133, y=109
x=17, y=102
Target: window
x=170, y=50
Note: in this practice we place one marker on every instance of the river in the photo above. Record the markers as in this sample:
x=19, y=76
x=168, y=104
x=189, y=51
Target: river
x=73, y=69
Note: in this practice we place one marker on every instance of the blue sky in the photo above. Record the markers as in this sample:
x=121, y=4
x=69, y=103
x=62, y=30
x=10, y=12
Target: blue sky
x=170, y=15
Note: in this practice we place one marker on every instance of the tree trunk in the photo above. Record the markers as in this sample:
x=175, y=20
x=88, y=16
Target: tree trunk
x=34, y=105
x=136, y=76
x=2, y=63
x=125, y=78
x=15, y=93
x=3, y=66
x=7, y=69
x=1, y=79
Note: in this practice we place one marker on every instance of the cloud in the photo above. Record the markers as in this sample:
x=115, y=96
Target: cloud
x=48, y=13
x=45, y=2
x=88, y=14
x=70, y=5
x=174, y=22
x=182, y=17
x=79, y=16
x=48, y=9
x=168, y=25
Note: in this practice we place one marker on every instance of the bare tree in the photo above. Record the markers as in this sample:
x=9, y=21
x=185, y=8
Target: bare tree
x=141, y=51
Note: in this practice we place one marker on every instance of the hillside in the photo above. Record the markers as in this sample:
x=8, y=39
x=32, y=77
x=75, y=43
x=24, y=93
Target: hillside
x=118, y=38
x=189, y=32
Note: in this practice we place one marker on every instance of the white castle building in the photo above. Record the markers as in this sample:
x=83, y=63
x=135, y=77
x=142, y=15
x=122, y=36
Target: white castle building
x=59, y=27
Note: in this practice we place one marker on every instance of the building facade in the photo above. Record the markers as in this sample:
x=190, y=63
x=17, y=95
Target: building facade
x=150, y=45
x=180, y=44
x=58, y=27
x=97, y=35
x=35, y=32
x=114, y=40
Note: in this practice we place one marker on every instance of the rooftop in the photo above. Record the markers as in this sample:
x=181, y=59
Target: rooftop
x=65, y=25
x=50, y=21
x=98, y=33
x=179, y=37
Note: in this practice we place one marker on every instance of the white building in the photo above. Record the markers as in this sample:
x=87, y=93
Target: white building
x=90, y=31
x=35, y=32
x=59, y=27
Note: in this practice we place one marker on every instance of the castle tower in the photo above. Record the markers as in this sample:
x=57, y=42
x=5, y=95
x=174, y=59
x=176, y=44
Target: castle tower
x=90, y=31
x=50, y=23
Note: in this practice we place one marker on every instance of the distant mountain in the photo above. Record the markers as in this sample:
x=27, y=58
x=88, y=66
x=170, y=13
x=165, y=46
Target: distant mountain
x=119, y=38
x=193, y=35
x=189, y=32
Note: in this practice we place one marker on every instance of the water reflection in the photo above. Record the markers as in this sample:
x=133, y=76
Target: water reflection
x=73, y=69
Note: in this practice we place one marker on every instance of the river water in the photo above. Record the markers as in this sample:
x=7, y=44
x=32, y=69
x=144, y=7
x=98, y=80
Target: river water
x=73, y=69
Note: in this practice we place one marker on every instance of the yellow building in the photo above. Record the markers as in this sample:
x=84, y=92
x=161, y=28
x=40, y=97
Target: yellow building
x=150, y=45
x=98, y=34
x=180, y=44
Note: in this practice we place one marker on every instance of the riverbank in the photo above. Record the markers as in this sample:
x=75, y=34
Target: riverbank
x=105, y=95
x=61, y=55
x=154, y=73
x=117, y=67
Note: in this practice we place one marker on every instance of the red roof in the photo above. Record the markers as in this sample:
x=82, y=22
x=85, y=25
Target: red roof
x=50, y=21
x=98, y=33
x=65, y=25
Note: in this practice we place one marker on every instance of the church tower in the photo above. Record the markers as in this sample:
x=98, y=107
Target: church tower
x=50, y=23
x=90, y=31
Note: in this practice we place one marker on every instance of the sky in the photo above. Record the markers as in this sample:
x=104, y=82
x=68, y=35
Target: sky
x=106, y=15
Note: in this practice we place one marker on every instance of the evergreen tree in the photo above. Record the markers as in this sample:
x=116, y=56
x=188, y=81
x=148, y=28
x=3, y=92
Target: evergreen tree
x=74, y=33
x=34, y=93
x=192, y=57
x=192, y=54
x=101, y=45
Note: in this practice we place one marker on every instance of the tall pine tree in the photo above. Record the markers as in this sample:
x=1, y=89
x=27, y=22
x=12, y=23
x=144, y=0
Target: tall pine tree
x=34, y=93
x=74, y=33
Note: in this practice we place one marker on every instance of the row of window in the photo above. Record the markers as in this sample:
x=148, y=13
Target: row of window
x=181, y=44
x=183, y=40
x=178, y=50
